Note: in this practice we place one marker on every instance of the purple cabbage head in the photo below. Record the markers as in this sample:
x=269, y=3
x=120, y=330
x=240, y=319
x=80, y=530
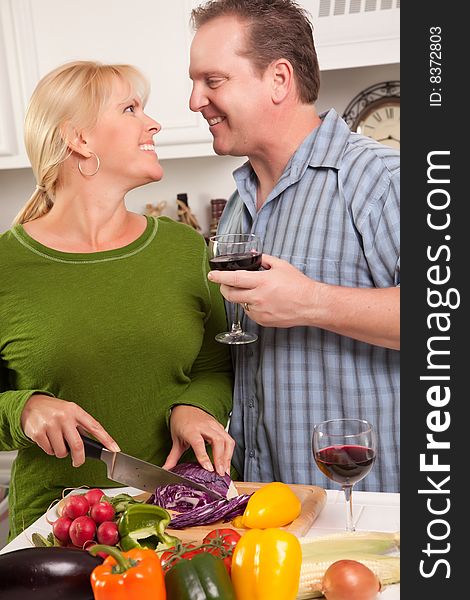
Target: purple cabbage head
x=182, y=498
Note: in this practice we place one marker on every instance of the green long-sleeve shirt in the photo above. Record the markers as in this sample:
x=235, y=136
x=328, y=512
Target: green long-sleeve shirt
x=125, y=333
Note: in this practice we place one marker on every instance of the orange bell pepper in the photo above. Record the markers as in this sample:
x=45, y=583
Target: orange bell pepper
x=133, y=575
x=273, y=505
x=266, y=565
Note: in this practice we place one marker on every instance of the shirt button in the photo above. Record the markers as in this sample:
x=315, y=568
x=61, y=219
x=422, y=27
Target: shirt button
x=251, y=453
x=251, y=402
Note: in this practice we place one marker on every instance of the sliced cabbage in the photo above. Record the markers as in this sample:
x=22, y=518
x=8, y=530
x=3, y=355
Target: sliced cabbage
x=218, y=510
x=196, y=507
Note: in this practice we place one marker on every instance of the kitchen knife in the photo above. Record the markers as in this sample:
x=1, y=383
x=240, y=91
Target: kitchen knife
x=139, y=473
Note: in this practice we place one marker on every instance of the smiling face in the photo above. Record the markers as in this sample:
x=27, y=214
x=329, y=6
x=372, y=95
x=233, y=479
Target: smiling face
x=233, y=98
x=123, y=139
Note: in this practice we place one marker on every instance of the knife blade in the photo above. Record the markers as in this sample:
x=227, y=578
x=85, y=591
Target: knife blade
x=138, y=473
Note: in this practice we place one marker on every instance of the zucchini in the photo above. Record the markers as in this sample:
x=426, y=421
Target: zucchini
x=45, y=573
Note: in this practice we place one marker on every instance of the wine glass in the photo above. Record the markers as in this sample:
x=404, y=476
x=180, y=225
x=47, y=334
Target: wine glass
x=235, y=252
x=344, y=451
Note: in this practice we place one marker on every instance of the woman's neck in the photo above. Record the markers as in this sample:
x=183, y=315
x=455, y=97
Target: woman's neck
x=80, y=223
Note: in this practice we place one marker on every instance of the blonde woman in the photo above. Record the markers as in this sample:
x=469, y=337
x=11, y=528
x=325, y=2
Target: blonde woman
x=107, y=323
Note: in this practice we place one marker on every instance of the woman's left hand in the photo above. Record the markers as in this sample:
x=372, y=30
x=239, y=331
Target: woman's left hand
x=192, y=426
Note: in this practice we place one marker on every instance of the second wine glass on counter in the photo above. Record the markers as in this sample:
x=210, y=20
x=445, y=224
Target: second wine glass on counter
x=235, y=252
x=345, y=451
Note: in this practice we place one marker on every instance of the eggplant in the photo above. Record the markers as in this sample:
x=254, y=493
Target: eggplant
x=45, y=573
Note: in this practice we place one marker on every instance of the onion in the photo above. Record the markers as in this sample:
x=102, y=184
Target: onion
x=350, y=580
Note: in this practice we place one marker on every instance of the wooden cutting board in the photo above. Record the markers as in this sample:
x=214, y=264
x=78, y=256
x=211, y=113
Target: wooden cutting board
x=312, y=499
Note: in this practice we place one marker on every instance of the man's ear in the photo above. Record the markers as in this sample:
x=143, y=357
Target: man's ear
x=75, y=139
x=282, y=74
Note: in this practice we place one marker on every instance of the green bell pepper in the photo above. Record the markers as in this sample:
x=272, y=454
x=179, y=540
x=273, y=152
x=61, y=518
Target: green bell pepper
x=203, y=577
x=143, y=526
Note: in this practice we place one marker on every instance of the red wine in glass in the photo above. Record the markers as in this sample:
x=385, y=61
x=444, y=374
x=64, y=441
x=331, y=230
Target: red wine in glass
x=249, y=261
x=235, y=252
x=345, y=451
x=345, y=464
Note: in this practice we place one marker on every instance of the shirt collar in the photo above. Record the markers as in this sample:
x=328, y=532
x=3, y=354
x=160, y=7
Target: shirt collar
x=325, y=145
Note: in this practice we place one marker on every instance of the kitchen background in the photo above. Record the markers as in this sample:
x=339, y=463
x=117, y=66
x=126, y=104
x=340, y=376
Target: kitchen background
x=357, y=43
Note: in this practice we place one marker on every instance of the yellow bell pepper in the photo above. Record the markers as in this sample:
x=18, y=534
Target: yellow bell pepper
x=266, y=565
x=273, y=505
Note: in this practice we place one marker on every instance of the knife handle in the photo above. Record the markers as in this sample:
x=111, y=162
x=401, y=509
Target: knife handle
x=93, y=448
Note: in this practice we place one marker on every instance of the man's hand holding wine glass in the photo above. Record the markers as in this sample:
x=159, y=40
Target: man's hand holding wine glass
x=278, y=296
x=281, y=295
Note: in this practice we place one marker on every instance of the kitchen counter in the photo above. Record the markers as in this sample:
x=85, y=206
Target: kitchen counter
x=372, y=512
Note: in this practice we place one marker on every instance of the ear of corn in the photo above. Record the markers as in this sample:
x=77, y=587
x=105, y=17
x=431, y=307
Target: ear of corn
x=369, y=548
x=376, y=542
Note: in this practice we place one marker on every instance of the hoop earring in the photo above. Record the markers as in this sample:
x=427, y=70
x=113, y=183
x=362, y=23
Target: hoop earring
x=95, y=171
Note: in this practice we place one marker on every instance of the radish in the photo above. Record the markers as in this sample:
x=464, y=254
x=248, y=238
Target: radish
x=60, y=529
x=102, y=511
x=60, y=507
x=82, y=530
x=75, y=505
x=108, y=533
x=94, y=495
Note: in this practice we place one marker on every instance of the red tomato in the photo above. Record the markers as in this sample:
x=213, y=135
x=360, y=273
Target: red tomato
x=223, y=542
x=219, y=542
x=188, y=553
x=229, y=537
x=170, y=557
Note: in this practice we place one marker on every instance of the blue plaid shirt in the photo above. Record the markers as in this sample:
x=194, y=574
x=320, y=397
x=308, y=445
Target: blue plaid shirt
x=333, y=214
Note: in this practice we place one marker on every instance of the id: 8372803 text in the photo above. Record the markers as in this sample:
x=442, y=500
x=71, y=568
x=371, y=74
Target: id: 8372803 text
x=435, y=66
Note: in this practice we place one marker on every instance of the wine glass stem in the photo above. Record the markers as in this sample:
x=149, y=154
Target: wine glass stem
x=236, y=327
x=347, y=489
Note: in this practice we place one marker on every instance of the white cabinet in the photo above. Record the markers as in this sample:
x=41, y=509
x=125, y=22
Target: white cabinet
x=355, y=33
x=155, y=35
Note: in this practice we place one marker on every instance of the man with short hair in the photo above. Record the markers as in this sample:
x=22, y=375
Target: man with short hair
x=325, y=202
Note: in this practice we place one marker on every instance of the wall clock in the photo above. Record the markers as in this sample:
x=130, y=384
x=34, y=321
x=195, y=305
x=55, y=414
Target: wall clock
x=375, y=112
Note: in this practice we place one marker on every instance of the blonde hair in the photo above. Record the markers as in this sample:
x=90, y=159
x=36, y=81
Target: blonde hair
x=74, y=93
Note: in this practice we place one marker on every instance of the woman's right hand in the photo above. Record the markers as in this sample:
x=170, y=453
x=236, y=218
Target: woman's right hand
x=55, y=424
